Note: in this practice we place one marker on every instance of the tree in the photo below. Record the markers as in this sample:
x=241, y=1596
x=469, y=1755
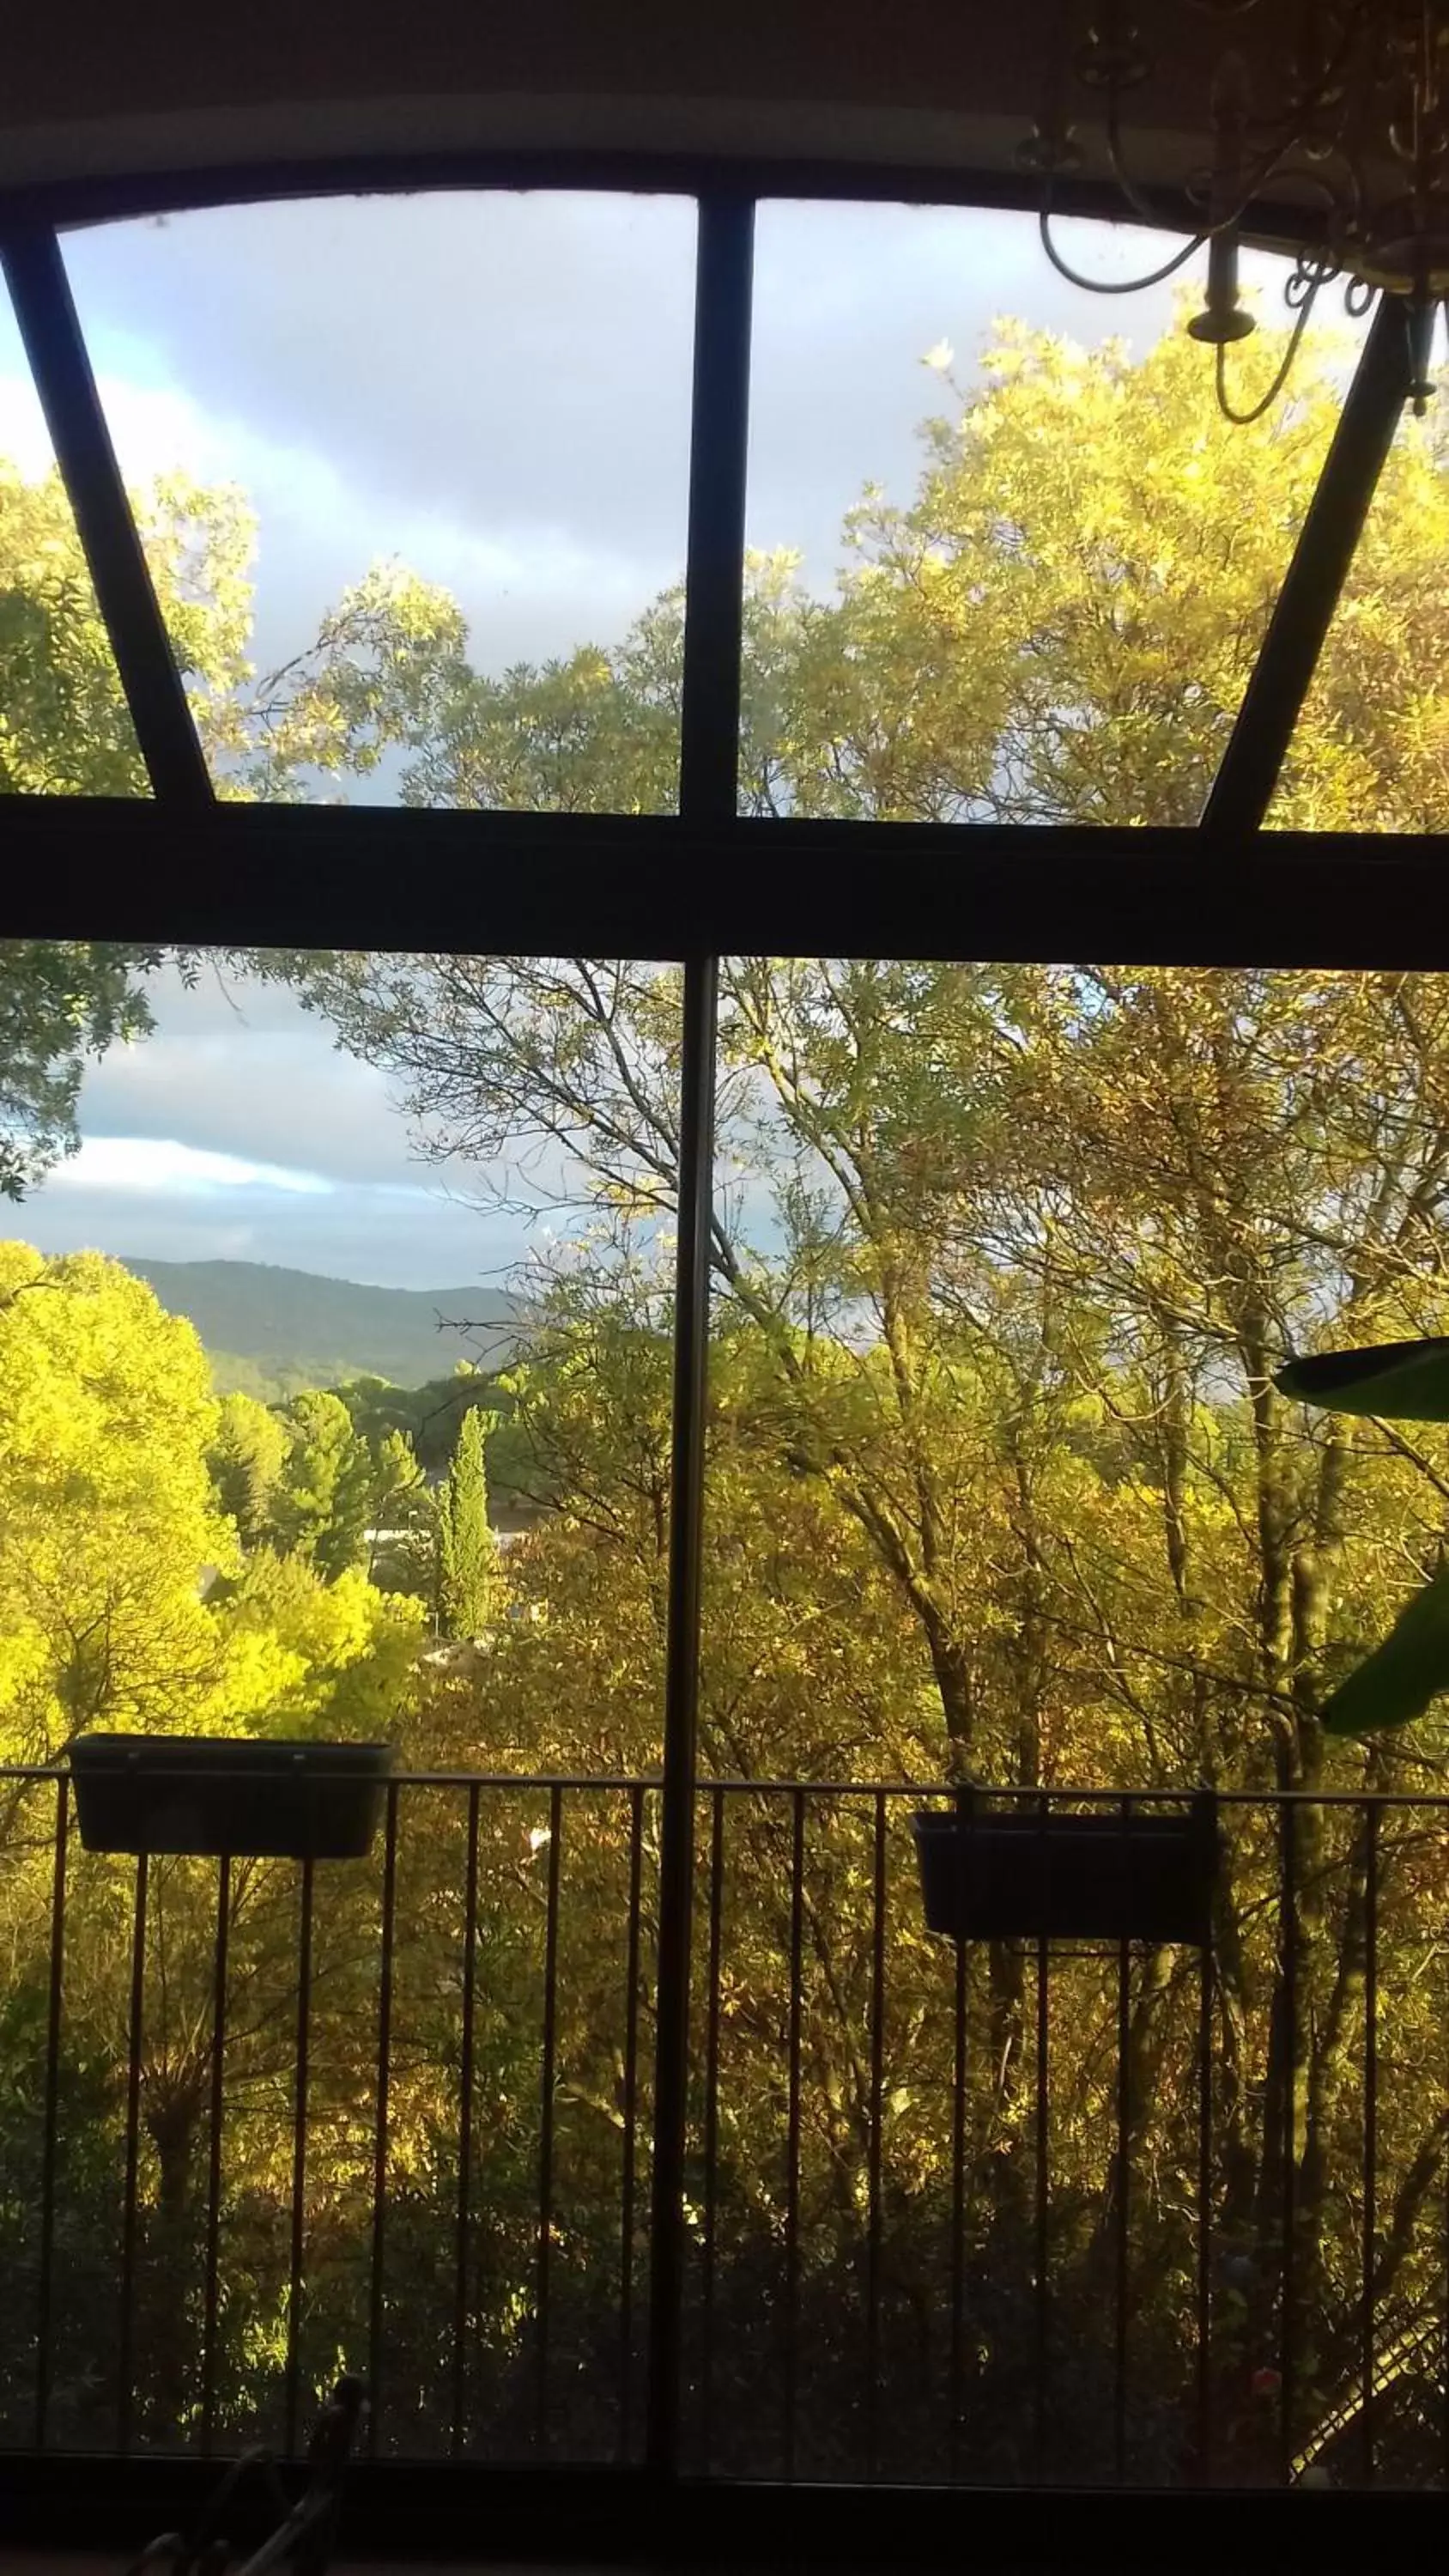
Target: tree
x=247, y=1460
x=427, y=1416
x=403, y=1545
x=65, y=729
x=106, y=1414
x=1058, y=626
x=1016, y=642
x=61, y=1001
x=125, y=1601
x=371, y=676
x=373, y=673
x=303, y=1655
x=467, y=1549
x=325, y=1495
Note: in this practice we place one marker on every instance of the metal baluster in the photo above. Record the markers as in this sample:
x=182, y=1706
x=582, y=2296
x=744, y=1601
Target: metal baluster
x=545, y=2143
x=1289, y=1947
x=792, y=2148
x=711, y=2122
x=299, y=2154
x=1043, y=2175
x=1204, y=2214
x=958, y=2215
x=376, y=2313
x=465, y=2131
x=213, y=2176
x=1444, y=2336
x=1121, y=2215
x=124, y=2401
x=631, y=2126
x=1370, y=2124
x=877, y=2084
x=45, y=2288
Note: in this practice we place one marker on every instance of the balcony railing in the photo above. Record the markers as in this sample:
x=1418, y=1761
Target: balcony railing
x=1014, y=2212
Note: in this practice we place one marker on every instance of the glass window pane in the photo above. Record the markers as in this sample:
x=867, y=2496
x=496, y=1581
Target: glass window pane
x=344, y=1415
x=1005, y=566
x=1001, y=1492
x=1371, y=751
x=64, y=725
x=413, y=474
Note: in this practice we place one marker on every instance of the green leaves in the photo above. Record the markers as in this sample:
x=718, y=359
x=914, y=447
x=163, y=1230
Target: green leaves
x=1403, y=1381
x=326, y=1491
x=468, y=1553
x=1400, y=1381
x=1401, y=1676
x=61, y=1002
x=105, y=1418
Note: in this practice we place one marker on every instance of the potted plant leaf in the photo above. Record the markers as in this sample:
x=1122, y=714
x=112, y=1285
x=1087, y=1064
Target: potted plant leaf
x=1406, y=1382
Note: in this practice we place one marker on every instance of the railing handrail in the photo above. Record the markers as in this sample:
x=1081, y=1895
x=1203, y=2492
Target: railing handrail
x=741, y=1786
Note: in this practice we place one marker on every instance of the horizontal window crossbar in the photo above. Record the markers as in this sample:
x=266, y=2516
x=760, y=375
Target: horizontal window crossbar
x=661, y=886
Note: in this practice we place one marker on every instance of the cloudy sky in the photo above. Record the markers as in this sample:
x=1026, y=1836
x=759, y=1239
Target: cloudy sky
x=494, y=389
x=239, y=1133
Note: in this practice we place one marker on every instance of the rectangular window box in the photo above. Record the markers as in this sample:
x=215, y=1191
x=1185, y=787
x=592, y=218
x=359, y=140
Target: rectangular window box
x=1011, y=1873
x=267, y=1797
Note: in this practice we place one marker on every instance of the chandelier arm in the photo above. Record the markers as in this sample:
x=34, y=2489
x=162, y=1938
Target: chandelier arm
x=1305, y=279
x=1272, y=158
x=1113, y=285
x=1282, y=136
x=1245, y=419
x=1292, y=176
x=1140, y=203
x=1338, y=69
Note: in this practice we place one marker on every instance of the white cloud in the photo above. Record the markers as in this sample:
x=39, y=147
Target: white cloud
x=150, y=1163
x=23, y=434
x=157, y=429
x=532, y=580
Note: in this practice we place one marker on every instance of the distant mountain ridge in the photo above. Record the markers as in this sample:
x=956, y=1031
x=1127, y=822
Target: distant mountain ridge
x=301, y=1328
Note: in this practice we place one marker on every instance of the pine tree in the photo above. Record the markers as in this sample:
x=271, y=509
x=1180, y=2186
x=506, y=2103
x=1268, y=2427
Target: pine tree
x=247, y=1459
x=467, y=1549
x=324, y=1500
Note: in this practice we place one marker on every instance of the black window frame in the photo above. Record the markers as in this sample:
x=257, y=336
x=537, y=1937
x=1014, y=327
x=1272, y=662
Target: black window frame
x=183, y=866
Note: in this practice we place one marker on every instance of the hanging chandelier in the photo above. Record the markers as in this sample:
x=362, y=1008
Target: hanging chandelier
x=1333, y=140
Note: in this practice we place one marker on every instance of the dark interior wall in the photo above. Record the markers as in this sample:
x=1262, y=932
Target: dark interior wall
x=98, y=89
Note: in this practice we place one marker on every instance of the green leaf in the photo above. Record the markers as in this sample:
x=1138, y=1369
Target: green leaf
x=1400, y=1677
x=1403, y=1381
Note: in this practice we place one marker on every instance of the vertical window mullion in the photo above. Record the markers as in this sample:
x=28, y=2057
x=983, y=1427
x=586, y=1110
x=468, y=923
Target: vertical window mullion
x=714, y=570
x=709, y=762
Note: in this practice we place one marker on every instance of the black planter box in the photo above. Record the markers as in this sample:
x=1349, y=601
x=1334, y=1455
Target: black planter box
x=272, y=1798
x=1012, y=1874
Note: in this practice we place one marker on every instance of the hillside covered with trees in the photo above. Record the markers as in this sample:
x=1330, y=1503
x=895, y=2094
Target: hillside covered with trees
x=1005, y=1259
x=273, y=1332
